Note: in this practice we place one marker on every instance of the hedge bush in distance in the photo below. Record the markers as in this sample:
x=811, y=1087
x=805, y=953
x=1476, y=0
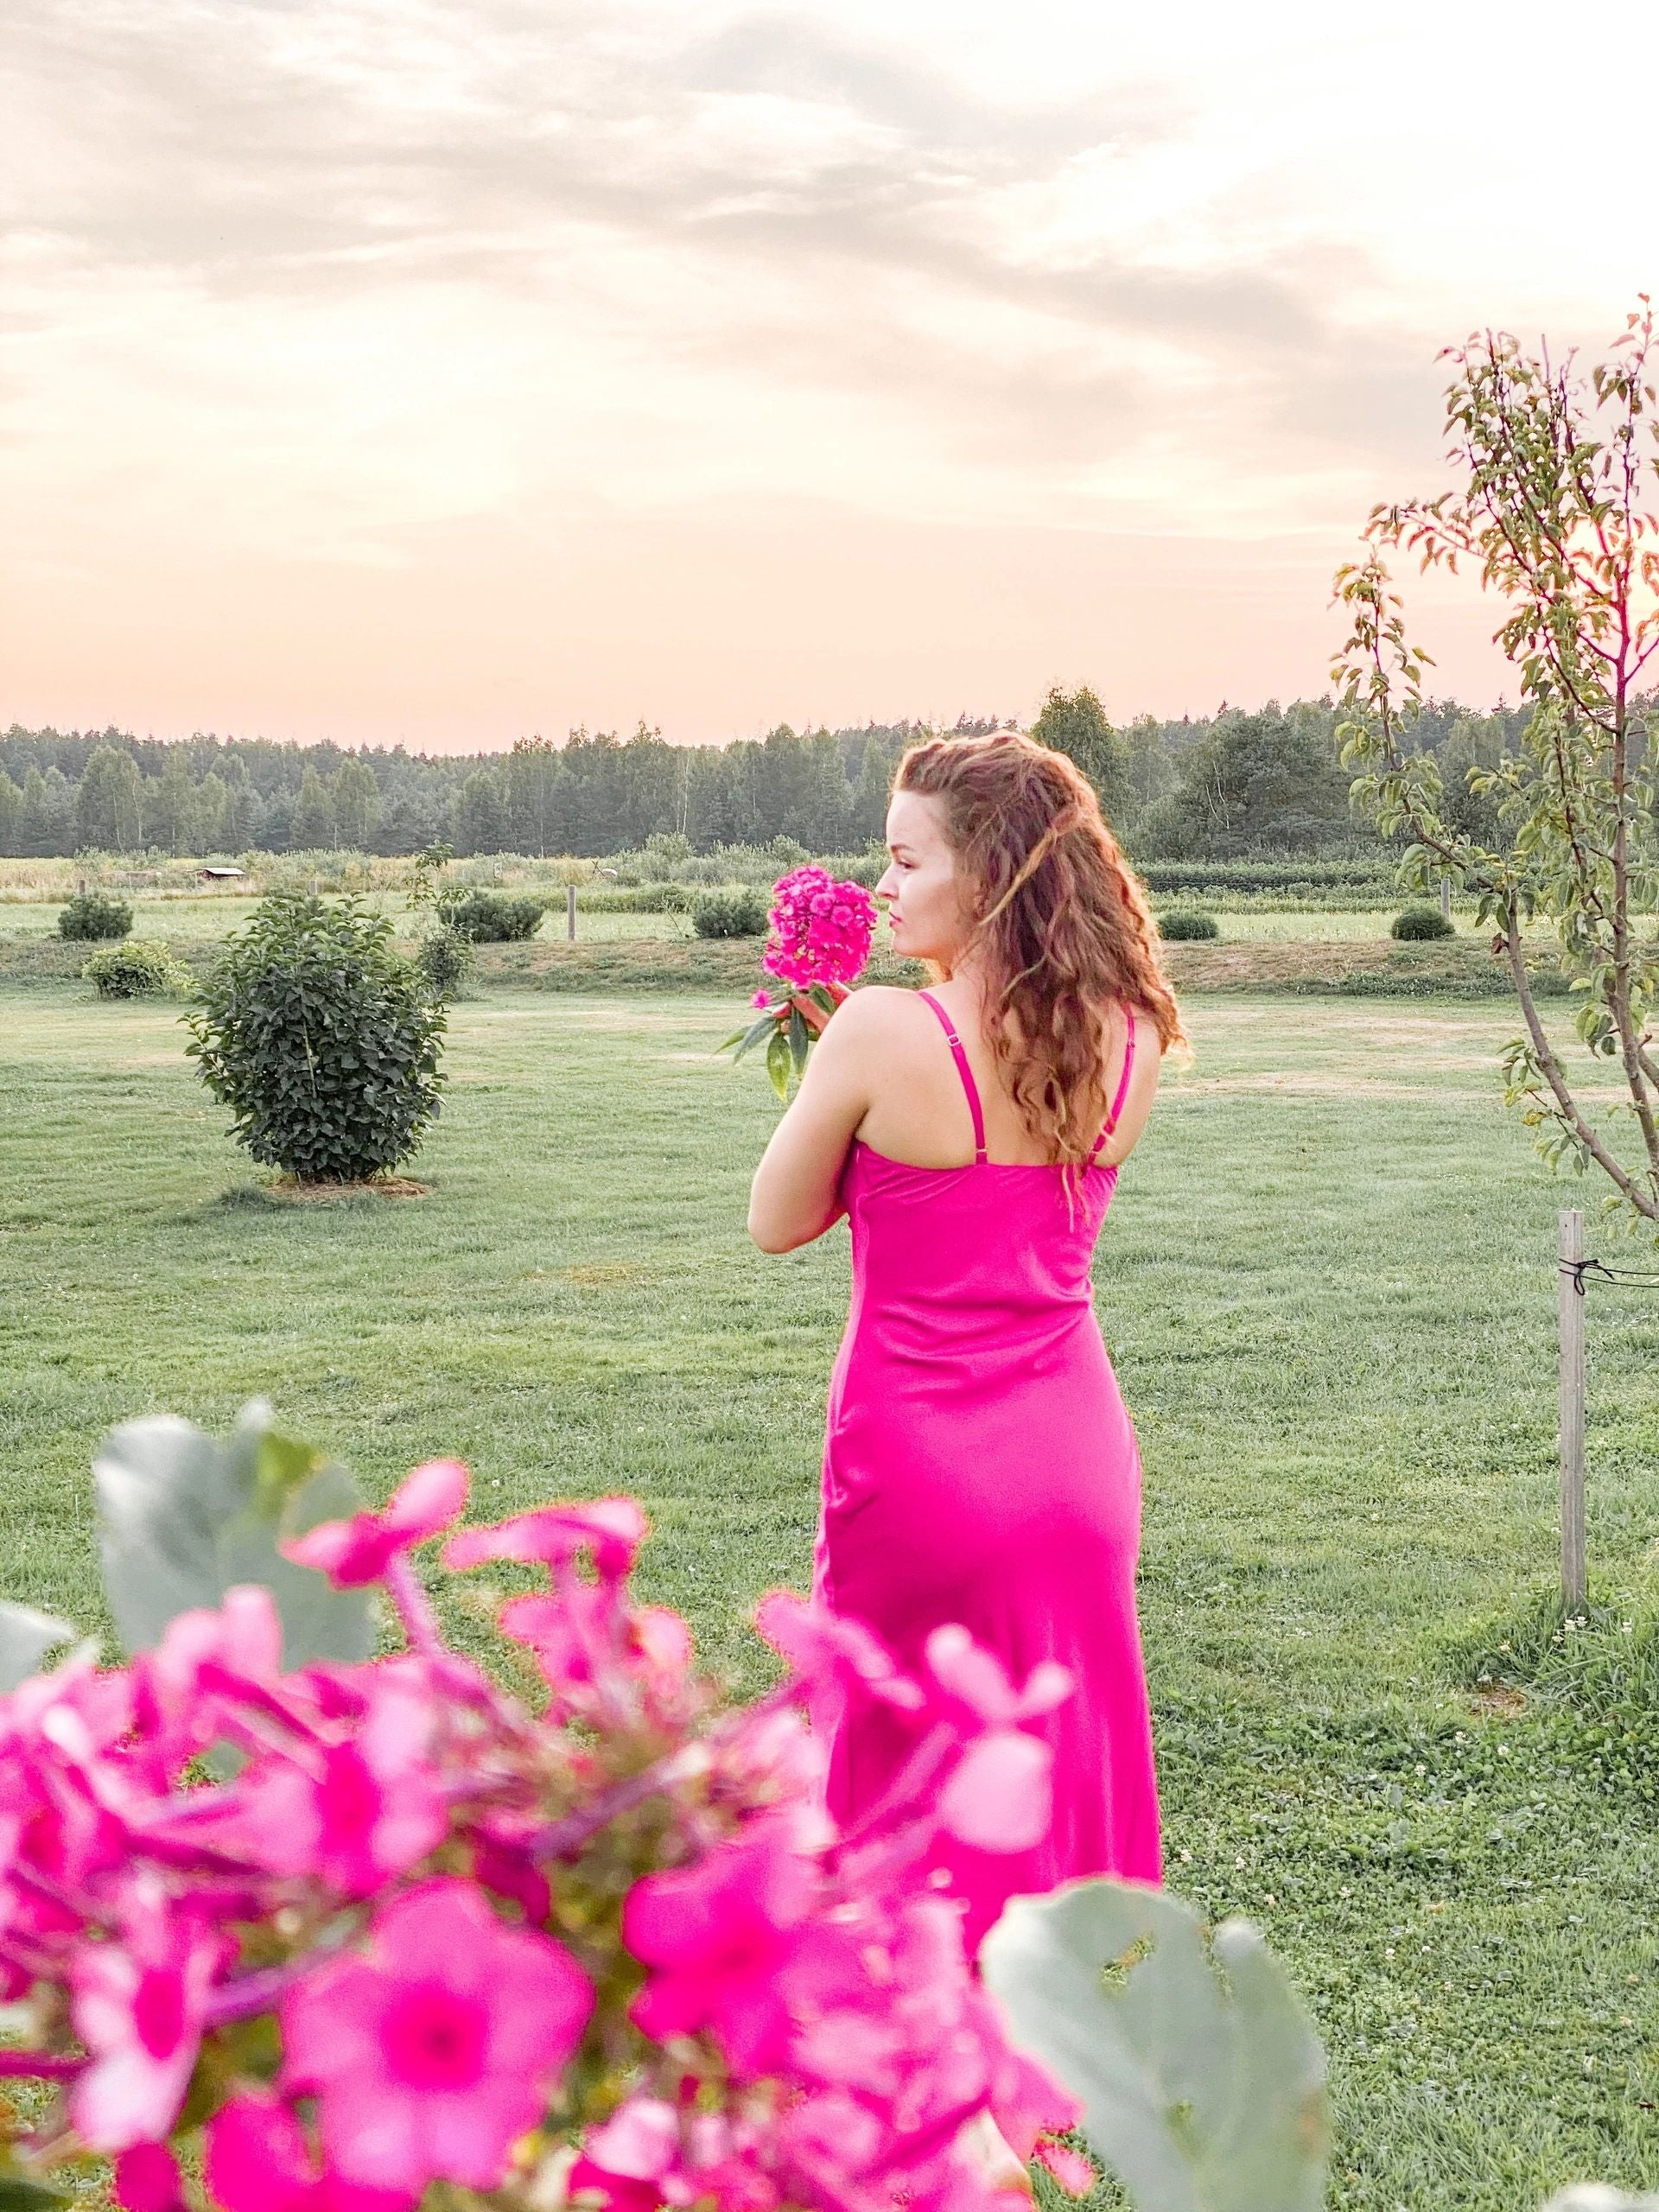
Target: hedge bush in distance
x=92, y=916
x=1418, y=924
x=731, y=913
x=322, y=1040
x=138, y=969
x=1184, y=925
x=493, y=918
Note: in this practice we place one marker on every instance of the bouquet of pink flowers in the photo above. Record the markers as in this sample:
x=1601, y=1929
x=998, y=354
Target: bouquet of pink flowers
x=817, y=944
x=327, y=1937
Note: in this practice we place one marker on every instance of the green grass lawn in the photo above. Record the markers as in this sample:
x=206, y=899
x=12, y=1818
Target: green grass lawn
x=1328, y=1284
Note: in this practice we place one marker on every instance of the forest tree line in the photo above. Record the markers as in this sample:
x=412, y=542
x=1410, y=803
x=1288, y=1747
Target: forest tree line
x=1240, y=783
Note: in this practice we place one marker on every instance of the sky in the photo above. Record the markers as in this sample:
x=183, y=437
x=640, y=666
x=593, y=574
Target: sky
x=387, y=371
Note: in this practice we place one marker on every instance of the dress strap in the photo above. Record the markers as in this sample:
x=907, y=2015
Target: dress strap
x=967, y=1074
x=1123, y=1086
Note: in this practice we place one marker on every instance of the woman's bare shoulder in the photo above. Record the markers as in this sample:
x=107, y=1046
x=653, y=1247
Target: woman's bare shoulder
x=872, y=1017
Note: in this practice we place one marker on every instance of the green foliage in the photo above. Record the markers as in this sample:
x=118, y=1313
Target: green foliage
x=92, y=916
x=446, y=959
x=1252, y=782
x=1373, y=876
x=322, y=1039
x=1199, y=2097
x=1557, y=817
x=494, y=916
x=1184, y=925
x=1419, y=924
x=182, y=1520
x=1075, y=723
x=140, y=968
x=1596, y=1674
x=730, y=913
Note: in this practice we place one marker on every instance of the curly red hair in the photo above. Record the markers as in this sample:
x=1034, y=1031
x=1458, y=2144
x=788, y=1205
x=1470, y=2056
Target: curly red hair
x=1062, y=923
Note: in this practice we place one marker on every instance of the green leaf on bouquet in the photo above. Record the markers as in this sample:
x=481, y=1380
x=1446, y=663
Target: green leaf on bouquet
x=777, y=1063
x=800, y=1040
x=183, y=1519
x=26, y=1637
x=755, y=1034
x=1203, y=2093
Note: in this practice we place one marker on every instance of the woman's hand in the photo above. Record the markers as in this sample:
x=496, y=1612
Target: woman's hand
x=796, y=1193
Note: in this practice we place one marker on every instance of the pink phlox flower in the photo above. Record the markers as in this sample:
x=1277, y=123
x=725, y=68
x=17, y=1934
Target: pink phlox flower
x=999, y=1796
x=429, y=1500
x=823, y=1649
x=578, y=1635
x=610, y=1530
x=146, y=2179
x=833, y=2139
x=256, y=2160
x=715, y=1935
x=240, y=1639
x=627, y=2158
x=820, y=931
x=430, y=2054
x=139, y=2005
x=1074, y=2170
x=507, y=1870
x=357, y=1812
x=1026, y=2102
x=772, y=1755
x=761, y=1001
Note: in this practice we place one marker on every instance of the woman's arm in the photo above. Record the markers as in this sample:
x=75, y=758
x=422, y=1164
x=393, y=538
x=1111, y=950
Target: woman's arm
x=796, y=1195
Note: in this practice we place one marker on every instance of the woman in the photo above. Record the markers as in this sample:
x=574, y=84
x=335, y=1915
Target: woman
x=979, y=1465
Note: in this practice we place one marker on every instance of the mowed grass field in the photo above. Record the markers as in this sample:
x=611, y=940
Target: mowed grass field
x=1328, y=1284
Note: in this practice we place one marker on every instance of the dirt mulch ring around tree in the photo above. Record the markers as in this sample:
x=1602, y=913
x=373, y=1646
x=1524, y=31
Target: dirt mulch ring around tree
x=293, y=1189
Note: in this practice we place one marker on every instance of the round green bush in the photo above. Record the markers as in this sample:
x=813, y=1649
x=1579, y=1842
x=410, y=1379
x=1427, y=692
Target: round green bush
x=1418, y=924
x=446, y=959
x=494, y=917
x=731, y=913
x=139, y=969
x=1187, y=925
x=91, y=916
x=322, y=1039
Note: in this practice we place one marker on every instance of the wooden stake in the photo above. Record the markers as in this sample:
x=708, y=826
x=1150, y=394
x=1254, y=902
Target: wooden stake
x=571, y=911
x=1445, y=896
x=1570, y=1283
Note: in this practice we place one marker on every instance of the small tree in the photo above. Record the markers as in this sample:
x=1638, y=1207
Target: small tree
x=1075, y=723
x=1556, y=471
x=323, y=1039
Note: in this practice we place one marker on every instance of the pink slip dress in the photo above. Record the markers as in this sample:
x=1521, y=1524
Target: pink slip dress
x=980, y=1467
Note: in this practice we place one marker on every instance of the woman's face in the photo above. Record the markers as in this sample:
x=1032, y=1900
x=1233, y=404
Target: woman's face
x=928, y=900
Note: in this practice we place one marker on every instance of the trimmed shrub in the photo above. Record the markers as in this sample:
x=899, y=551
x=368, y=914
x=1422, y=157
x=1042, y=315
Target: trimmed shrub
x=1186, y=925
x=322, y=1039
x=446, y=960
x=91, y=916
x=493, y=918
x=138, y=969
x=1417, y=924
x=731, y=913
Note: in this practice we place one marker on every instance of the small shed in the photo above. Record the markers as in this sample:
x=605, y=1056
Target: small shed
x=224, y=875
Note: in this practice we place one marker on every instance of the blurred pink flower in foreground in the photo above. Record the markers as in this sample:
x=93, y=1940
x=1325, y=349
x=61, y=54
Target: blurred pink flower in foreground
x=427, y=1501
x=430, y=2055
x=604, y=1936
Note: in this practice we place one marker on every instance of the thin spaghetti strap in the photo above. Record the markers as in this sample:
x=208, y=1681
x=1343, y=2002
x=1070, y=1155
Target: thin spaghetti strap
x=969, y=1087
x=1123, y=1086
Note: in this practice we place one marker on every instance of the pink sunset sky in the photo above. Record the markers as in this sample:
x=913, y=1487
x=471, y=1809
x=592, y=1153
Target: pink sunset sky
x=379, y=370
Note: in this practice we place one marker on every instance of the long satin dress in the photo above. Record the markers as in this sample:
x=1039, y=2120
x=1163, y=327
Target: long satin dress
x=980, y=1467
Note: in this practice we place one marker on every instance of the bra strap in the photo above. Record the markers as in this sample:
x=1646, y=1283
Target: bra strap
x=969, y=1085
x=1123, y=1086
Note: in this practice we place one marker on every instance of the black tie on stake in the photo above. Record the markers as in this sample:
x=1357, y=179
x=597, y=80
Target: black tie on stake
x=1639, y=1278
